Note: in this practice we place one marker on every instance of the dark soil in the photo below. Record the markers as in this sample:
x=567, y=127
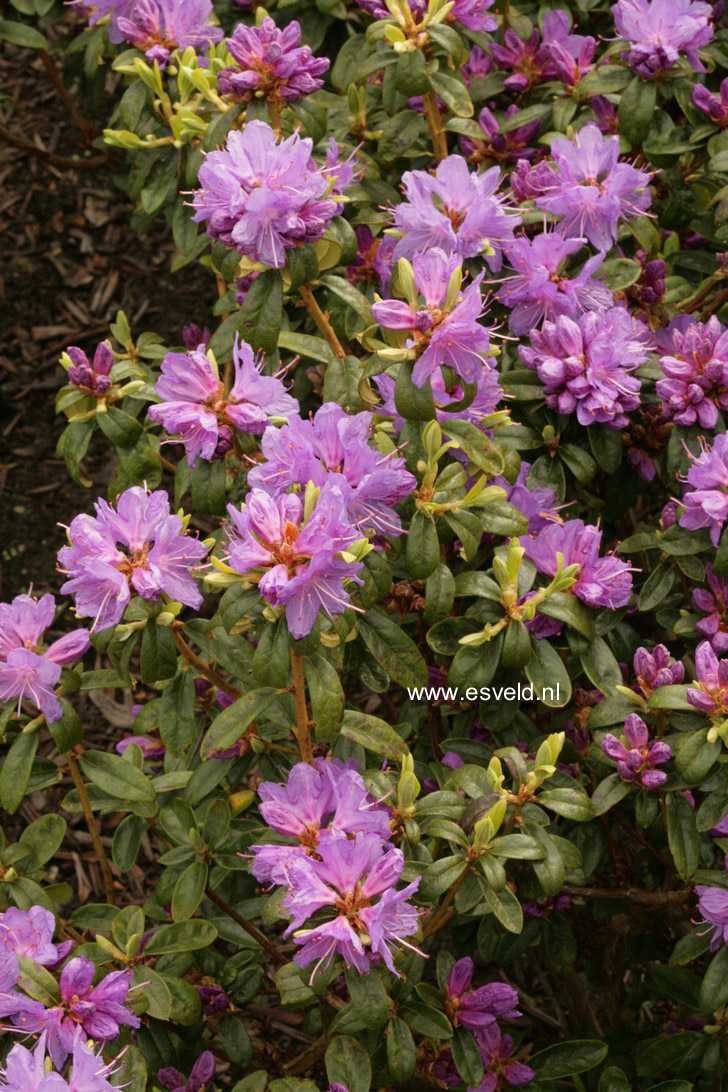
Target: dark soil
x=71, y=262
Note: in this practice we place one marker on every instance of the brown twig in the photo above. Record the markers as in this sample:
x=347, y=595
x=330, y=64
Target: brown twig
x=631, y=894
x=65, y=163
x=303, y=727
x=432, y=114
x=87, y=129
x=75, y=772
x=307, y=1057
x=321, y=321
x=204, y=669
x=435, y=920
x=250, y=929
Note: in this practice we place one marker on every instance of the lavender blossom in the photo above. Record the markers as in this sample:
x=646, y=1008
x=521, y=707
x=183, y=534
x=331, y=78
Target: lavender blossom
x=488, y=396
x=477, y=1008
x=262, y=195
x=535, y=502
x=457, y=210
x=441, y=335
x=714, y=106
x=26, y=1071
x=29, y=933
x=713, y=905
x=356, y=880
x=636, y=761
x=560, y=55
x=585, y=365
x=713, y=605
x=201, y=1074
x=695, y=386
x=590, y=189
x=655, y=669
x=501, y=1072
x=601, y=581
x=658, y=31
x=270, y=63
x=539, y=289
x=195, y=406
x=303, y=569
x=512, y=145
x=137, y=547
x=706, y=503
x=157, y=27
x=333, y=447
x=91, y=378
x=709, y=692
x=327, y=800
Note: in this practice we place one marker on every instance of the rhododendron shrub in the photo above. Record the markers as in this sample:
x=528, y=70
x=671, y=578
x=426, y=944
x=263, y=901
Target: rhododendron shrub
x=408, y=600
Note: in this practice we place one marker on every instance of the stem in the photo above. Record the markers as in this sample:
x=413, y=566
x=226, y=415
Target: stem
x=436, y=920
x=307, y=1057
x=274, y=115
x=204, y=669
x=82, y=123
x=251, y=930
x=93, y=830
x=303, y=728
x=64, y=162
x=432, y=114
x=632, y=894
x=321, y=320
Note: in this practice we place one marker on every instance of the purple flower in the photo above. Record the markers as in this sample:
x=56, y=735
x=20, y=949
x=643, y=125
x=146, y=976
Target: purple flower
x=95, y=10
x=271, y=62
x=194, y=337
x=601, y=581
x=706, y=503
x=528, y=60
x=214, y=999
x=90, y=378
x=655, y=669
x=509, y=146
x=606, y=114
x=713, y=605
x=637, y=760
x=534, y=910
x=709, y=692
x=29, y=933
x=456, y=210
x=139, y=546
x=201, y=1074
x=441, y=336
x=585, y=365
x=333, y=447
x=318, y=802
x=535, y=502
x=195, y=407
x=488, y=396
x=355, y=880
x=713, y=905
x=159, y=26
x=538, y=288
x=479, y=1007
x=477, y=66
x=590, y=188
x=262, y=195
x=303, y=571
x=715, y=106
x=26, y=1071
x=570, y=54
x=660, y=30
x=696, y=371
x=501, y=1072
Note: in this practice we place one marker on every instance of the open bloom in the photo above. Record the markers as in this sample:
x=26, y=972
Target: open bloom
x=195, y=407
x=713, y=605
x=271, y=62
x=715, y=106
x=354, y=880
x=501, y=1070
x=585, y=364
x=477, y=1008
x=441, y=336
x=695, y=367
x=655, y=669
x=488, y=396
x=333, y=447
x=709, y=692
x=713, y=905
x=590, y=189
x=139, y=546
x=601, y=581
x=28, y=1071
x=535, y=502
x=706, y=502
x=539, y=288
x=91, y=378
x=658, y=31
x=637, y=760
x=262, y=195
x=29, y=933
x=318, y=802
x=159, y=26
x=302, y=567
x=455, y=209
x=559, y=55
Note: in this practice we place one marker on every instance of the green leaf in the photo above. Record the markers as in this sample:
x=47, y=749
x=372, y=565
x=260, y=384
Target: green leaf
x=636, y=109
x=670, y=697
x=606, y=444
x=368, y=997
x=401, y=1050
x=16, y=767
x=682, y=835
x=477, y=445
x=373, y=734
x=120, y=428
x=348, y=1063
x=395, y=651
x=439, y=593
x=21, y=35
x=37, y=982
x=505, y=907
x=695, y=757
x=127, y=839
x=453, y=93
x=476, y=666
x=158, y=655
x=177, y=714
x=547, y=674
x=426, y=1020
x=613, y=1079
x=399, y=134
x=43, y=837
x=412, y=402
x=326, y=695
x=189, y=891
x=657, y=586
x=184, y=936
x=411, y=73
x=601, y=666
x=714, y=987
x=565, y=607
x=466, y=1056
x=423, y=546
x=608, y=793
x=235, y=1040
x=566, y=1059
x=228, y=727
x=117, y=777
x=67, y=730
x=72, y=447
